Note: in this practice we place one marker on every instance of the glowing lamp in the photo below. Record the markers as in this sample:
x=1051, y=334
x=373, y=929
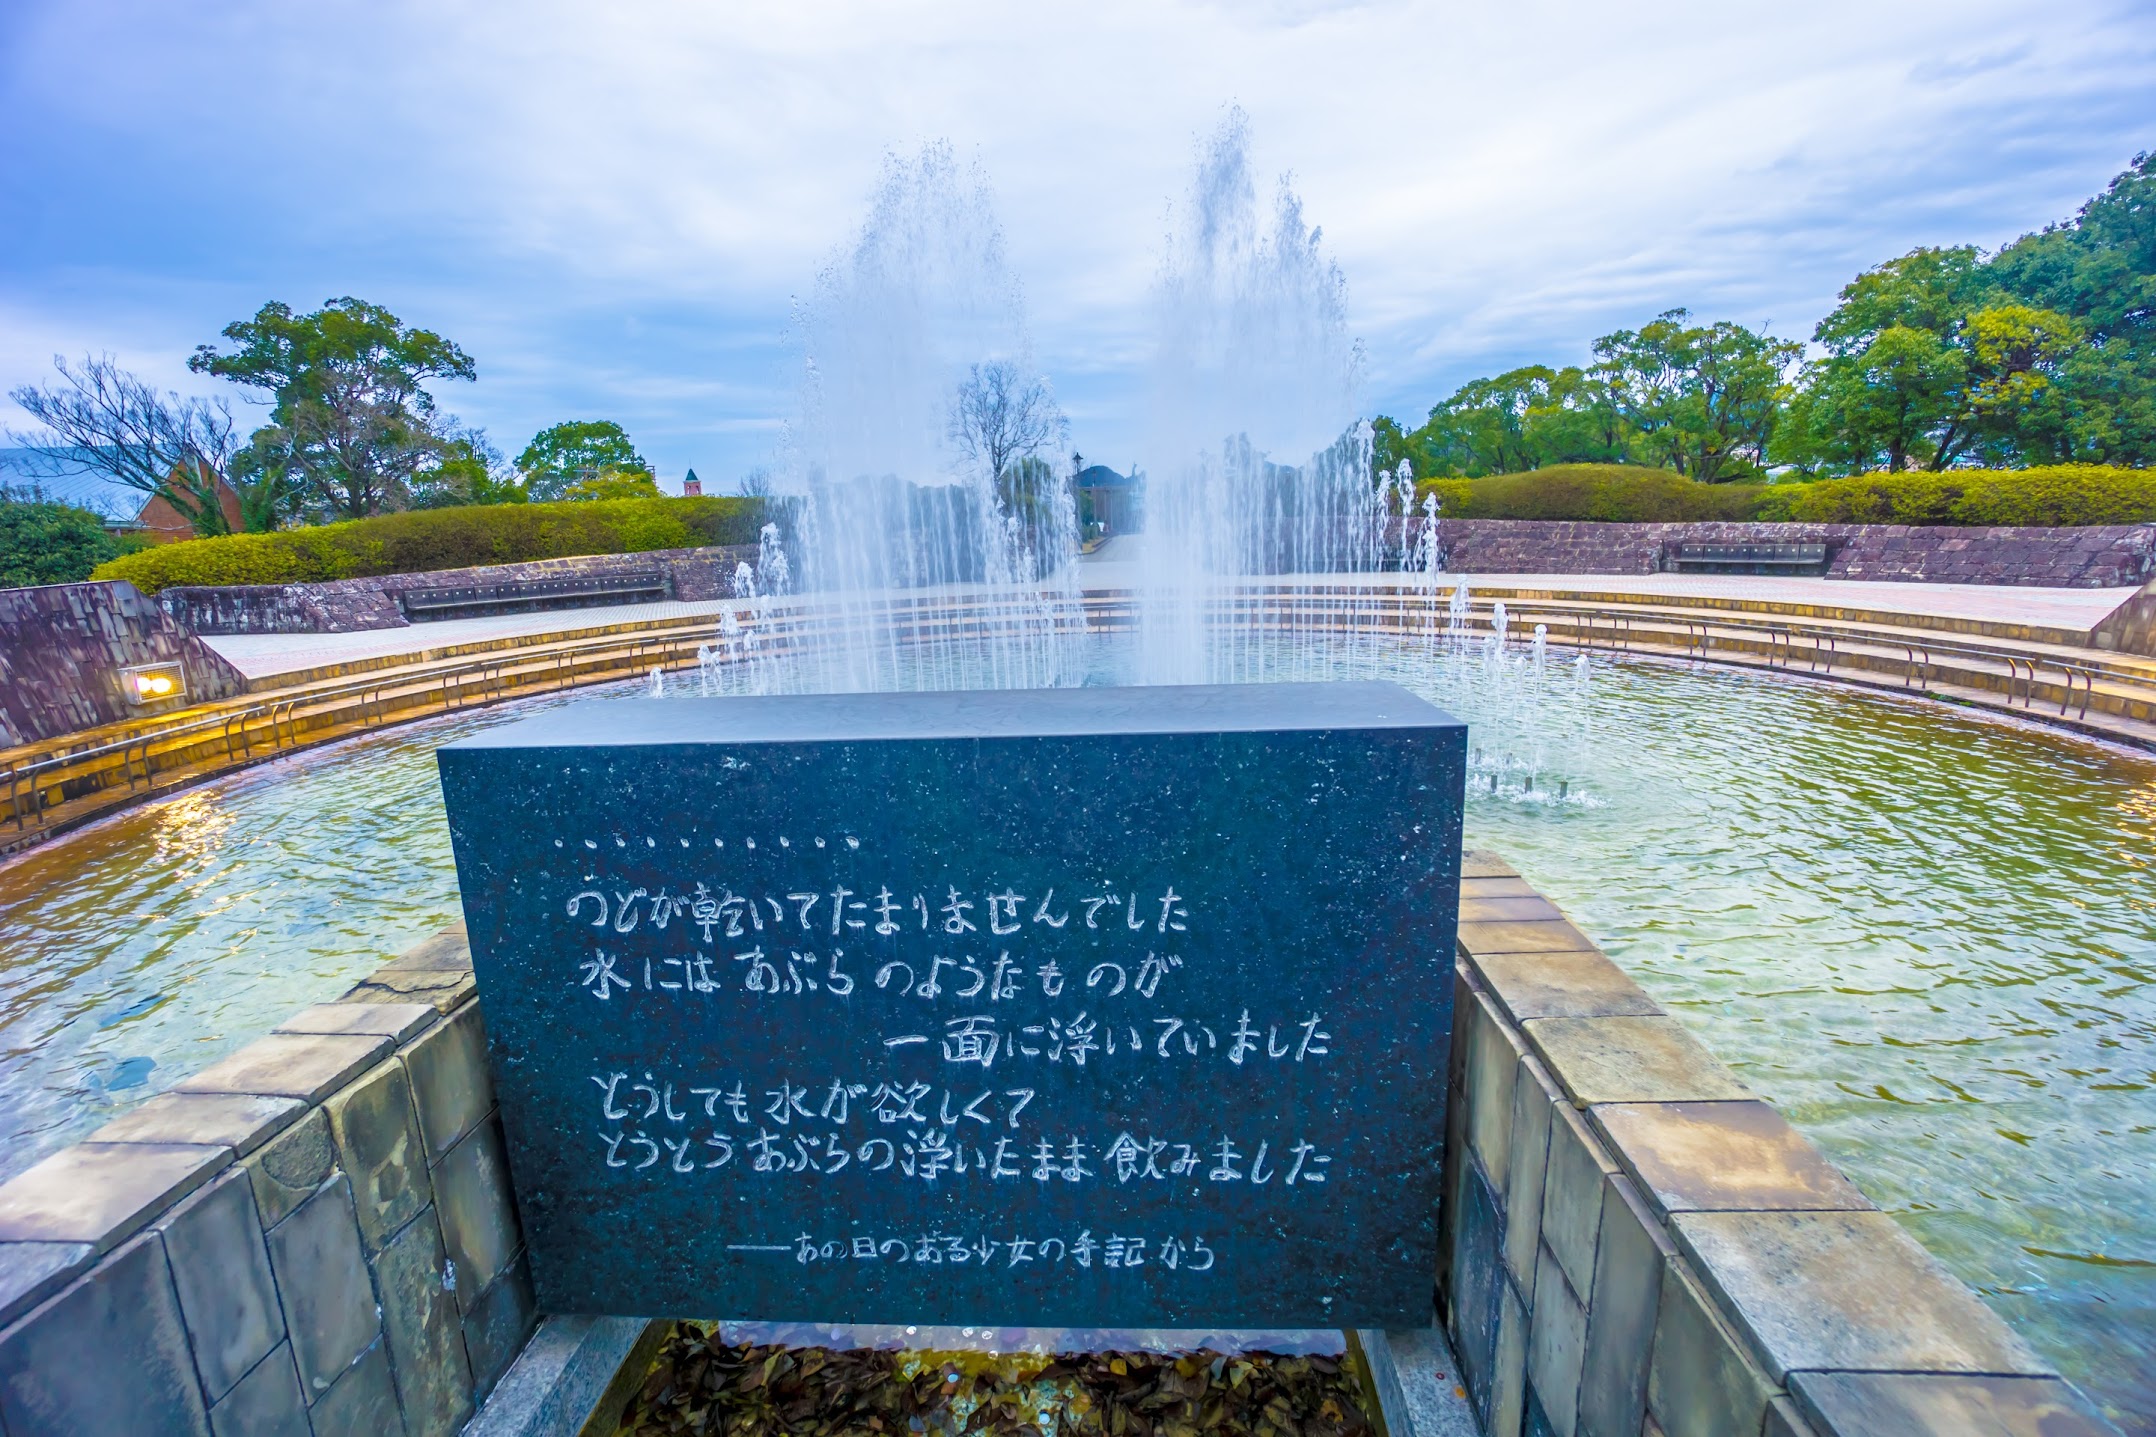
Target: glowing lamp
x=153, y=683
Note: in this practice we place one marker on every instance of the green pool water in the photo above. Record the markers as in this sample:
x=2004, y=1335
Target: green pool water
x=1928, y=936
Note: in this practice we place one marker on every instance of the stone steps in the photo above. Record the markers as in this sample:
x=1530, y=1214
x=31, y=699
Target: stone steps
x=2032, y=672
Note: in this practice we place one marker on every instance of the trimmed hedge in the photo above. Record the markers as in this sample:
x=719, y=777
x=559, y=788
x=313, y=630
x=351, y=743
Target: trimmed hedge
x=2062, y=496
x=424, y=540
x=1606, y=493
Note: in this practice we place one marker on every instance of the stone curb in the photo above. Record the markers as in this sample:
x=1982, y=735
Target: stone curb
x=1633, y=1242
x=289, y=1241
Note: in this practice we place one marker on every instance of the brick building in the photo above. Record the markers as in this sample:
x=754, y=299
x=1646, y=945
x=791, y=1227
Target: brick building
x=53, y=475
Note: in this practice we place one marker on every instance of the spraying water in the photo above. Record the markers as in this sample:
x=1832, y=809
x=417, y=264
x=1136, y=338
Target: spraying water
x=1257, y=463
x=926, y=469
x=930, y=533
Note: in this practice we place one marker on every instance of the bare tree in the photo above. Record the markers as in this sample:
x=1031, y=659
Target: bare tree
x=102, y=419
x=1002, y=414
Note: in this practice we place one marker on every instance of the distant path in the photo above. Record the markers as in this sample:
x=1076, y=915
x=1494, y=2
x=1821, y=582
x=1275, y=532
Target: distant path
x=262, y=655
x=1113, y=566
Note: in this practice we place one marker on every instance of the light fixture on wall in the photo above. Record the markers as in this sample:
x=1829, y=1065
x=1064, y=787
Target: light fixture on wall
x=153, y=683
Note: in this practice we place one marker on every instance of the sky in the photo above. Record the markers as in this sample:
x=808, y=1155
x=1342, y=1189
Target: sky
x=614, y=208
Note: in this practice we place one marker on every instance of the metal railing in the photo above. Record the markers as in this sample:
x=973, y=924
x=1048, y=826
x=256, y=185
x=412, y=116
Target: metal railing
x=286, y=721
x=283, y=723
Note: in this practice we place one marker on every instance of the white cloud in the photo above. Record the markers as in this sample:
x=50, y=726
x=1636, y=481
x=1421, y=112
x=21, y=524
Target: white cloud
x=611, y=206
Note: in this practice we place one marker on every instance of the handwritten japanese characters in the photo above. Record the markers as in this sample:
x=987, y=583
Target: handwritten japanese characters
x=935, y=1249
x=1084, y=1028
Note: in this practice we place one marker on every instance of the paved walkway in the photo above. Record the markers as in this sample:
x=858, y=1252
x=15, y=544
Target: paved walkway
x=1114, y=566
x=259, y=655
x=2060, y=608
x=1117, y=564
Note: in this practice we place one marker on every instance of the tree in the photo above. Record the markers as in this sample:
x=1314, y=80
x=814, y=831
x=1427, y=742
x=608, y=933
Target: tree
x=46, y=543
x=1482, y=428
x=1879, y=407
x=2099, y=271
x=103, y=419
x=566, y=454
x=1578, y=422
x=470, y=471
x=352, y=424
x=1928, y=364
x=1704, y=399
x=614, y=484
x=1001, y=414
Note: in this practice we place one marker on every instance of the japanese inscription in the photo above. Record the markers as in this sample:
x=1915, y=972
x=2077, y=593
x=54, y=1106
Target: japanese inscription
x=1019, y=1008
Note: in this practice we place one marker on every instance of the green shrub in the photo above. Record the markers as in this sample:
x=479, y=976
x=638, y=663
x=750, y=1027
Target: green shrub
x=47, y=543
x=2061, y=496
x=423, y=540
x=1605, y=493
x=2058, y=496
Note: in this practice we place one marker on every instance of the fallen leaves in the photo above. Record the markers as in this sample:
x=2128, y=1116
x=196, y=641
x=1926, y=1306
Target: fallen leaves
x=701, y=1387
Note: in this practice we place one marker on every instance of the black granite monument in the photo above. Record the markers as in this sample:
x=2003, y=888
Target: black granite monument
x=1079, y=1007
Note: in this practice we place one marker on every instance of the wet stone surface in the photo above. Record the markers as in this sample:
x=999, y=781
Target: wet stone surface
x=972, y=1007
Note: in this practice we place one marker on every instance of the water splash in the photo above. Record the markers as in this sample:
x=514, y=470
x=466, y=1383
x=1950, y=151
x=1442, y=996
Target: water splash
x=893, y=510
x=1256, y=462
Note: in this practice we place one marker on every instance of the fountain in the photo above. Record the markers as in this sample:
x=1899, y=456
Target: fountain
x=1259, y=466
x=925, y=469
x=925, y=477
x=903, y=563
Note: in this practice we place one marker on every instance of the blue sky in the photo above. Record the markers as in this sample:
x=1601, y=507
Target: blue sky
x=613, y=207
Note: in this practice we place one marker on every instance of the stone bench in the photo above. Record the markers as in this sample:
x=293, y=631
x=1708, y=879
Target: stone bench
x=422, y=604
x=1751, y=558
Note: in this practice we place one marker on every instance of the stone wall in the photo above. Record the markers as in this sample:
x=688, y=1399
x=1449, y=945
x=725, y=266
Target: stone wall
x=350, y=605
x=62, y=647
x=2091, y=558
x=2131, y=627
x=314, y=1236
x=1635, y=1245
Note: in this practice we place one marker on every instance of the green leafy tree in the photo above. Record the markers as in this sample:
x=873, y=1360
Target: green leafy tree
x=614, y=484
x=1926, y=289
x=1579, y=422
x=271, y=493
x=1482, y=427
x=1389, y=444
x=566, y=454
x=1704, y=399
x=352, y=424
x=2098, y=270
x=1523, y=419
x=1880, y=407
x=469, y=471
x=1928, y=365
x=46, y=543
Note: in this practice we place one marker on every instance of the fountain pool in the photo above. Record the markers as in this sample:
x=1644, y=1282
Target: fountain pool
x=1930, y=938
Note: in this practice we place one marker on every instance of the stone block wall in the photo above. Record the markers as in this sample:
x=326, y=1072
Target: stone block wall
x=351, y=605
x=313, y=1237
x=2090, y=558
x=1635, y=1245
x=2131, y=627
x=62, y=647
